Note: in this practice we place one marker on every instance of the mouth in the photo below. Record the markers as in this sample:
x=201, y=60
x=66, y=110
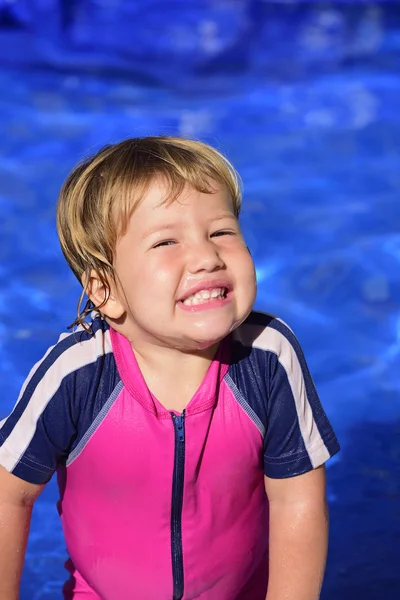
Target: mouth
x=206, y=296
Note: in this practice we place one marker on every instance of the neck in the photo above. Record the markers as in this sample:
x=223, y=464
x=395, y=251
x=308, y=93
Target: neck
x=173, y=376
x=172, y=361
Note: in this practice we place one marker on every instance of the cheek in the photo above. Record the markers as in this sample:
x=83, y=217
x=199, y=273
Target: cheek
x=161, y=276
x=244, y=266
x=158, y=274
x=160, y=269
x=246, y=278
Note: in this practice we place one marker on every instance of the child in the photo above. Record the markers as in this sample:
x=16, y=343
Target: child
x=185, y=429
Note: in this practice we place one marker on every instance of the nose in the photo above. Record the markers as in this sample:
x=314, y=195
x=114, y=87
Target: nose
x=204, y=256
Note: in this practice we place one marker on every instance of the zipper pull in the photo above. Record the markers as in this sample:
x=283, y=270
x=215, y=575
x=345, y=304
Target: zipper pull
x=179, y=424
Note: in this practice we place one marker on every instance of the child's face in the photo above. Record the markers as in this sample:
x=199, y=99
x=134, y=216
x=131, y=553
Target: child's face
x=186, y=276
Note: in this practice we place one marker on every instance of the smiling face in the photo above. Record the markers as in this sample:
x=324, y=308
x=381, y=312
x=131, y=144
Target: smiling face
x=185, y=276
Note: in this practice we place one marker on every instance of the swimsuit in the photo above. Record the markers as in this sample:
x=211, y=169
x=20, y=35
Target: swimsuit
x=157, y=505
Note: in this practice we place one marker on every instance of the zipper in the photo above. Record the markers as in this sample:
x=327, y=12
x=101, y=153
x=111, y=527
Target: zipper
x=177, y=501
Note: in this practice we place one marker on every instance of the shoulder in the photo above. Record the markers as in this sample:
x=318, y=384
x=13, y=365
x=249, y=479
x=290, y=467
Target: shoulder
x=68, y=366
x=265, y=332
x=60, y=399
x=262, y=347
x=83, y=345
x=270, y=379
x=77, y=350
x=265, y=350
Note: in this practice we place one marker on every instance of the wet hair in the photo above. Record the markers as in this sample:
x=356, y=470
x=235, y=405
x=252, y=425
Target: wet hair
x=100, y=195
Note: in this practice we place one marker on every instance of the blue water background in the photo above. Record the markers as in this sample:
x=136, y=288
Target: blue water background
x=305, y=100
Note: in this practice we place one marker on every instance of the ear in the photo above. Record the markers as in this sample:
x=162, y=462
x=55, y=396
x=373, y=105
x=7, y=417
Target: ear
x=102, y=296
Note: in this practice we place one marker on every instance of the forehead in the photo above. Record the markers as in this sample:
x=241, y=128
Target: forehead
x=160, y=202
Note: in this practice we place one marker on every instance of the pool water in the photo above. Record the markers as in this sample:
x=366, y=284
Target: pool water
x=305, y=101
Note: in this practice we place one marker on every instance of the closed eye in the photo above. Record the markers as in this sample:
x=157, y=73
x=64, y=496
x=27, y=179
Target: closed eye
x=223, y=232
x=164, y=243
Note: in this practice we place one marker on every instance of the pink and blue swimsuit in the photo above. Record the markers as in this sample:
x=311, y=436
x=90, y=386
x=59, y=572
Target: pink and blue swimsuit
x=157, y=505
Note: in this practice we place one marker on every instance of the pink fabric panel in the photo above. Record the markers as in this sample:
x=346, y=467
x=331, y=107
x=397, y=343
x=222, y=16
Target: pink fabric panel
x=224, y=525
x=116, y=508
x=76, y=587
x=117, y=496
x=205, y=397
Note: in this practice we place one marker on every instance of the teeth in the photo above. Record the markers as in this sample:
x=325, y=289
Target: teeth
x=203, y=296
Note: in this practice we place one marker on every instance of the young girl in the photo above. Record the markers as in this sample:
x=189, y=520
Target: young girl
x=185, y=429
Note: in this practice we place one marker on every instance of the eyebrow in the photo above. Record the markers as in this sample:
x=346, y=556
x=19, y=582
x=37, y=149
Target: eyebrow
x=159, y=229
x=170, y=226
x=225, y=215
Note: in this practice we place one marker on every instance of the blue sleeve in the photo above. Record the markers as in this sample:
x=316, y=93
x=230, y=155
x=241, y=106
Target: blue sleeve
x=56, y=405
x=274, y=386
x=298, y=434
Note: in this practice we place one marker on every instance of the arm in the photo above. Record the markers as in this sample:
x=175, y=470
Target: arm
x=16, y=502
x=298, y=536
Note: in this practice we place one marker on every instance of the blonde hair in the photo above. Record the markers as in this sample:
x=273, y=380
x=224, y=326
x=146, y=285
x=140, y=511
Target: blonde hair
x=100, y=195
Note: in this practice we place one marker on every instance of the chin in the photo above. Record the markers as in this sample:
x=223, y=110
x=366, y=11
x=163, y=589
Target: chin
x=211, y=336
x=206, y=344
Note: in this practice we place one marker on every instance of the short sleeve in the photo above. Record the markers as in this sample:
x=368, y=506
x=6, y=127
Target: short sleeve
x=298, y=434
x=54, y=407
